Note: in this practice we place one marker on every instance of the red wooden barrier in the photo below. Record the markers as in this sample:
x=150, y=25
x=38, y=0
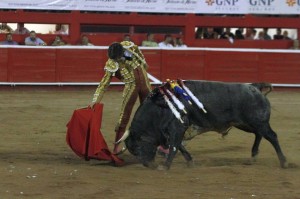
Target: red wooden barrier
x=75, y=65
x=154, y=60
x=182, y=64
x=232, y=66
x=280, y=67
x=31, y=65
x=3, y=64
x=63, y=64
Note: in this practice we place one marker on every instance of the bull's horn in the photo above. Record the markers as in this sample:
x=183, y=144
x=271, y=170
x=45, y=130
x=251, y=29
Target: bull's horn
x=125, y=135
x=122, y=151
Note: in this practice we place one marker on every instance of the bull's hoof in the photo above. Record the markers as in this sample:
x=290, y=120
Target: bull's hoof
x=253, y=159
x=150, y=165
x=190, y=164
x=162, y=168
x=286, y=165
x=292, y=165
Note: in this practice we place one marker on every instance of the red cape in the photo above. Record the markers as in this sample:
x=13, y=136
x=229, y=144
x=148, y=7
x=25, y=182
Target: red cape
x=84, y=135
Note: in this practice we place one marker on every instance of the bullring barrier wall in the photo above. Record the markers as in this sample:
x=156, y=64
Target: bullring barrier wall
x=69, y=65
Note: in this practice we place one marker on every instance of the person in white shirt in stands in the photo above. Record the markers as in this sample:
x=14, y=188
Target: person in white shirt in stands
x=179, y=43
x=167, y=42
x=21, y=29
x=61, y=29
x=33, y=40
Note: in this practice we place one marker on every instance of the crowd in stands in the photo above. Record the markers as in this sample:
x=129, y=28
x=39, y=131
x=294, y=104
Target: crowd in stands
x=168, y=42
x=150, y=41
x=244, y=34
x=240, y=33
x=33, y=40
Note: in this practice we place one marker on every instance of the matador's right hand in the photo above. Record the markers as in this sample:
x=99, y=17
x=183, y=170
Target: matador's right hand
x=92, y=105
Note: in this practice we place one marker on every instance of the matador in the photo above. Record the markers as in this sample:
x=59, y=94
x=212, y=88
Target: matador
x=127, y=63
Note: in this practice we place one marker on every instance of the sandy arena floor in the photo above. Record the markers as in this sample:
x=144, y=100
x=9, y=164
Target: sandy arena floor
x=36, y=162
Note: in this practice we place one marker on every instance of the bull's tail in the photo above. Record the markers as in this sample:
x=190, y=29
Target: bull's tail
x=264, y=87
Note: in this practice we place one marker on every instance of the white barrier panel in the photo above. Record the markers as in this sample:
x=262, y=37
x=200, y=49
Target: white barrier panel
x=163, y=6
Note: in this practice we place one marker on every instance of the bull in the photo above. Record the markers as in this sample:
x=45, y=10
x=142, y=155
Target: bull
x=227, y=105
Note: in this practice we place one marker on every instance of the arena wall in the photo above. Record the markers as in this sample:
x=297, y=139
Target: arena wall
x=83, y=65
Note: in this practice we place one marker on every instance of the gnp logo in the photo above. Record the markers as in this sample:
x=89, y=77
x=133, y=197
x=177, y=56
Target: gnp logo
x=293, y=2
x=261, y=2
x=221, y=2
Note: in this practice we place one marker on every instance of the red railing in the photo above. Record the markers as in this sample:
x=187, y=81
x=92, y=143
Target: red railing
x=67, y=64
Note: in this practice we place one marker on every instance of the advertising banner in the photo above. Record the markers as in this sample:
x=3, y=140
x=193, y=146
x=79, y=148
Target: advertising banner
x=227, y=7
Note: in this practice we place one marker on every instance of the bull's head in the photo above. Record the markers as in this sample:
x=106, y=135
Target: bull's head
x=130, y=142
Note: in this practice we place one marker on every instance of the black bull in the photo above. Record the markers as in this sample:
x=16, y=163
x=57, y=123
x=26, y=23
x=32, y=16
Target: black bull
x=243, y=106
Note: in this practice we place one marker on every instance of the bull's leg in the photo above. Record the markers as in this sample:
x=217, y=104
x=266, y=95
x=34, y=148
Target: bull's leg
x=173, y=148
x=176, y=130
x=255, y=147
x=271, y=136
x=187, y=156
x=147, y=154
x=176, y=137
x=258, y=137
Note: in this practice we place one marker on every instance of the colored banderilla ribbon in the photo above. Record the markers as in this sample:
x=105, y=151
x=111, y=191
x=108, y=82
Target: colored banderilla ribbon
x=173, y=109
x=194, y=98
x=178, y=103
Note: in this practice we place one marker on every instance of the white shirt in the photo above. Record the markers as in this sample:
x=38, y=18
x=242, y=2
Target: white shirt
x=181, y=46
x=163, y=45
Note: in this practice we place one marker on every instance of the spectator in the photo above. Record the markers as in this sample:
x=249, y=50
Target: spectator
x=58, y=41
x=8, y=40
x=126, y=37
x=266, y=35
x=227, y=34
x=85, y=41
x=4, y=28
x=21, y=29
x=61, y=29
x=32, y=40
x=250, y=34
x=179, y=43
x=286, y=35
x=150, y=41
x=278, y=34
x=209, y=33
x=218, y=30
x=167, y=42
x=215, y=35
x=261, y=35
x=239, y=34
x=199, y=33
